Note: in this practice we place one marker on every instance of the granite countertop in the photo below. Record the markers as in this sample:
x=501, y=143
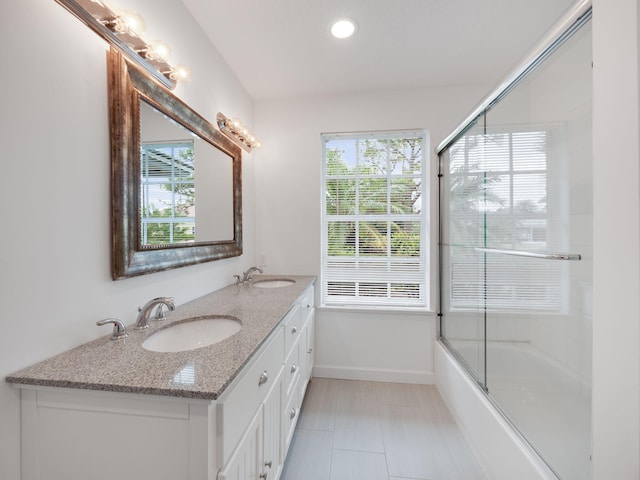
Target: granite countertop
x=124, y=366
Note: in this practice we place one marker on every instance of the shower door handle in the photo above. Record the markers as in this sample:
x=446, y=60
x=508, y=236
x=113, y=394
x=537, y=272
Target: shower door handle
x=521, y=253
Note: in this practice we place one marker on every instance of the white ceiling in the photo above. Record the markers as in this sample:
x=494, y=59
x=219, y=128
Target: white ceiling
x=282, y=48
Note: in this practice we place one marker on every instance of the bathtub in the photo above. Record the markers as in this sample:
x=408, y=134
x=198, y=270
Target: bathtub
x=535, y=407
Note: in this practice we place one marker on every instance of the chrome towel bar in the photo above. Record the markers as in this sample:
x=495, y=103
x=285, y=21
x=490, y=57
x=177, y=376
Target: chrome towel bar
x=520, y=253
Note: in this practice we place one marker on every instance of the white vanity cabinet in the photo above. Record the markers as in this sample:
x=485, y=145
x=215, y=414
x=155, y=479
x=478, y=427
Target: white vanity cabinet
x=244, y=434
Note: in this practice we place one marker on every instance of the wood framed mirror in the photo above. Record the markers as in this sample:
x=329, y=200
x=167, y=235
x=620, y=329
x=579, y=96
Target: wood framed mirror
x=176, y=181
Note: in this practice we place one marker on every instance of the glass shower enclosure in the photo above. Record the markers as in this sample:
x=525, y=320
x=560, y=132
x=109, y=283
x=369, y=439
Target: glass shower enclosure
x=516, y=251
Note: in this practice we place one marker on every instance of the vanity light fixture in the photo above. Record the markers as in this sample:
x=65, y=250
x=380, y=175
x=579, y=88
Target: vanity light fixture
x=236, y=131
x=124, y=29
x=344, y=28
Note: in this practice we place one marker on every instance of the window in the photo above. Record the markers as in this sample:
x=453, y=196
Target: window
x=373, y=222
x=168, y=193
x=499, y=192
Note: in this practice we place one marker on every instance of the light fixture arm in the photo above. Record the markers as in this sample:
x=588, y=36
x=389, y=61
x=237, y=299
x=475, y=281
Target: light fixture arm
x=103, y=21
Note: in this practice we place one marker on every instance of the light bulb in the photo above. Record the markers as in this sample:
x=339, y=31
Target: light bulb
x=159, y=50
x=181, y=73
x=133, y=21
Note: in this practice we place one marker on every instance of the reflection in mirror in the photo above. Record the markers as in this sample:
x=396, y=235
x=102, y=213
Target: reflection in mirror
x=176, y=180
x=186, y=184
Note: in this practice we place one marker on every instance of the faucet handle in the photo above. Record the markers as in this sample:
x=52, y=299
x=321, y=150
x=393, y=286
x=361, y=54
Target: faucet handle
x=238, y=281
x=119, y=330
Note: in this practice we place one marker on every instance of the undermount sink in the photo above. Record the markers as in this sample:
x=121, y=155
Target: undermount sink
x=192, y=333
x=273, y=283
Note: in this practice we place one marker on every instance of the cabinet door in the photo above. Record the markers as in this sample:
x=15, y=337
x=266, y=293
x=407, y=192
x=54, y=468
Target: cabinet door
x=246, y=461
x=272, y=406
x=289, y=419
x=304, y=357
x=310, y=350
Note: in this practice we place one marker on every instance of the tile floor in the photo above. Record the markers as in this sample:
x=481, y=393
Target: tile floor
x=352, y=430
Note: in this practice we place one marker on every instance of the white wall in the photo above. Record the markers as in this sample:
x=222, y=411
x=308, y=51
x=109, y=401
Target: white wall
x=616, y=289
x=366, y=345
x=55, y=279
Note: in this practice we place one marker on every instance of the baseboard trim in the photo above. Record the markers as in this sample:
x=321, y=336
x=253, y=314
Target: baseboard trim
x=374, y=375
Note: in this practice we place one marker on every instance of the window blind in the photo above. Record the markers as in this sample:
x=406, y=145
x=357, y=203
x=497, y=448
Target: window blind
x=373, y=219
x=167, y=192
x=498, y=192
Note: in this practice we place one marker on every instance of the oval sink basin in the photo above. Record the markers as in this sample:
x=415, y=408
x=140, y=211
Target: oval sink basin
x=274, y=283
x=192, y=333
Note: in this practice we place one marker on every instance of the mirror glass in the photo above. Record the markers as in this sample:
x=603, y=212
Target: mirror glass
x=186, y=184
x=176, y=180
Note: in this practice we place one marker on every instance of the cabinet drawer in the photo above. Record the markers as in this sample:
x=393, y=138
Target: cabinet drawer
x=292, y=369
x=291, y=329
x=307, y=305
x=247, y=393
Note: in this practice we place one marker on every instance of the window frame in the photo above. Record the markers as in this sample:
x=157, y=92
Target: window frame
x=418, y=265
x=147, y=182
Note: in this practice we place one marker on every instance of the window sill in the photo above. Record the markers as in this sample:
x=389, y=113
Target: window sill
x=418, y=311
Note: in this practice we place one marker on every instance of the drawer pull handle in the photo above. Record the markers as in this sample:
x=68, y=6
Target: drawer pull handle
x=263, y=476
x=293, y=413
x=310, y=351
x=294, y=367
x=294, y=329
x=264, y=378
x=308, y=305
x=268, y=464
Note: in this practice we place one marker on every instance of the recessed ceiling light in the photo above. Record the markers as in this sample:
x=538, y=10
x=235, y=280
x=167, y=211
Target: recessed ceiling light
x=344, y=28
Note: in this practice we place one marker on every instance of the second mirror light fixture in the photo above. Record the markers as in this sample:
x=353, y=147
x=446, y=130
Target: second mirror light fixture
x=236, y=131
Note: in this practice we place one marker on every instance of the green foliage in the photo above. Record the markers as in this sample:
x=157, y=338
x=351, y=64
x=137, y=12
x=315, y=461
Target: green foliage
x=159, y=233
x=378, y=185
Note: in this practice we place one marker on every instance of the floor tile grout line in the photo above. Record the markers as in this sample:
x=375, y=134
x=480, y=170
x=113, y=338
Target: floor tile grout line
x=316, y=429
x=333, y=434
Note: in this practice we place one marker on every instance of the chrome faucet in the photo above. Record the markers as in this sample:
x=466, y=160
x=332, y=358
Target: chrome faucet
x=246, y=276
x=144, y=312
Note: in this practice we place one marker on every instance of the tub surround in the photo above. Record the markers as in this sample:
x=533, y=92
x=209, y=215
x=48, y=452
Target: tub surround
x=203, y=373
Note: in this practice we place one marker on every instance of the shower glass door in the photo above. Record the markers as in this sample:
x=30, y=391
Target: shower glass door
x=516, y=253
x=462, y=285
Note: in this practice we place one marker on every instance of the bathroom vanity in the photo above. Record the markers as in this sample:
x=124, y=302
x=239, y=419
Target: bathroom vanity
x=112, y=409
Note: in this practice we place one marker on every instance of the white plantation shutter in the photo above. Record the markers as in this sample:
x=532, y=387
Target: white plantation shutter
x=373, y=219
x=507, y=212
